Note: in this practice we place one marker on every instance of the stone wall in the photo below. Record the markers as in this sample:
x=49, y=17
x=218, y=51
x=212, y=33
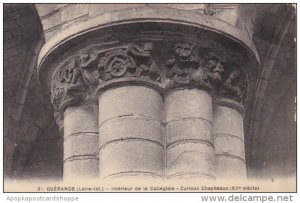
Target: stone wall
x=276, y=126
x=273, y=133
x=27, y=109
x=44, y=161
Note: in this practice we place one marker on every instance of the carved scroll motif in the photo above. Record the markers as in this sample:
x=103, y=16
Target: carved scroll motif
x=116, y=64
x=131, y=61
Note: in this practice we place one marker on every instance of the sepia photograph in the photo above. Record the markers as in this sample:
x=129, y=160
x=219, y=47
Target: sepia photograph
x=165, y=97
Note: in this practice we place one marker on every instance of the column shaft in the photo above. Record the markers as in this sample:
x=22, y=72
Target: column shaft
x=229, y=142
x=80, y=142
x=190, y=151
x=131, y=133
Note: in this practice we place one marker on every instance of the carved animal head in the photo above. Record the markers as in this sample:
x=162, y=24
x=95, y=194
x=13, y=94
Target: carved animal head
x=148, y=47
x=218, y=68
x=211, y=64
x=234, y=75
x=183, y=51
x=66, y=74
x=83, y=58
x=215, y=66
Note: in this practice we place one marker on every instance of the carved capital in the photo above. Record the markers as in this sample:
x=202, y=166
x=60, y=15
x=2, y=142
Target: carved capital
x=62, y=97
x=212, y=66
x=77, y=79
x=226, y=75
x=166, y=64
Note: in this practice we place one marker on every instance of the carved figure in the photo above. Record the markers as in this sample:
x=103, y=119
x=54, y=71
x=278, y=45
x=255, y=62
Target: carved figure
x=66, y=75
x=184, y=66
x=232, y=86
x=80, y=70
x=87, y=66
x=56, y=95
x=215, y=69
x=146, y=66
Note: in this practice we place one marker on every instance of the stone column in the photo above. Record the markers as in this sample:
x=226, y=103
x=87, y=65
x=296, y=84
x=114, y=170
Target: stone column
x=131, y=133
x=76, y=113
x=81, y=142
x=188, y=108
x=190, y=150
x=154, y=85
x=229, y=140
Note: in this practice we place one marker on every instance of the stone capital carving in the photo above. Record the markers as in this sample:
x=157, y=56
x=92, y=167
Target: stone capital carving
x=165, y=64
x=212, y=66
x=233, y=85
x=129, y=61
x=185, y=66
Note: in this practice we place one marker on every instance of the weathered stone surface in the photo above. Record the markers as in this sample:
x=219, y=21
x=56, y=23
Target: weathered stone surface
x=81, y=168
x=129, y=156
x=230, y=167
x=80, y=144
x=228, y=121
x=188, y=103
x=131, y=127
x=80, y=119
x=130, y=101
x=190, y=158
x=189, y=129
x=229, y=145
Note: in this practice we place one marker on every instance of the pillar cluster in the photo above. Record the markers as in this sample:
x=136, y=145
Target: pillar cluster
x=167, y=107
